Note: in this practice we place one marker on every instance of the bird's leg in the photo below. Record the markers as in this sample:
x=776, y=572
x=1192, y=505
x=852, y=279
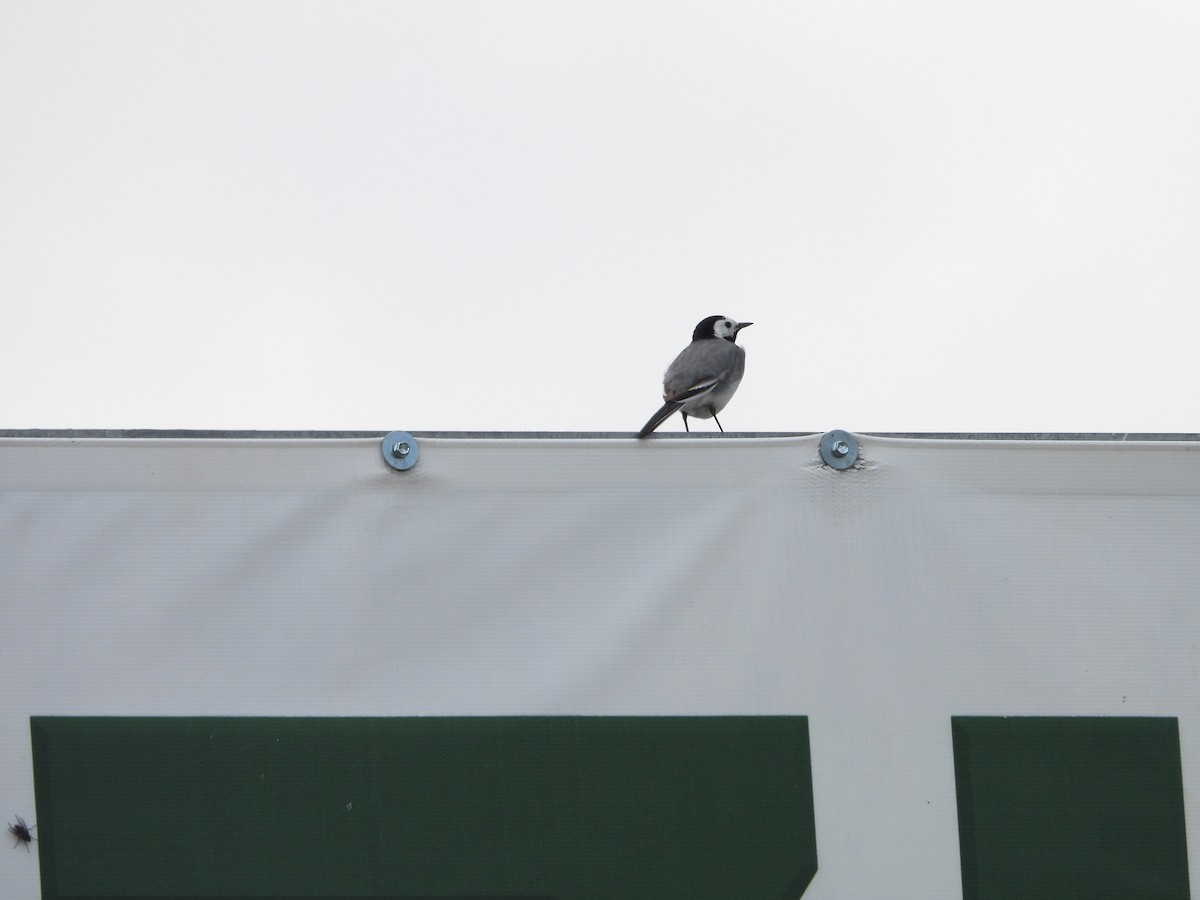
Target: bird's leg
x=685, y=424
x=718, y=421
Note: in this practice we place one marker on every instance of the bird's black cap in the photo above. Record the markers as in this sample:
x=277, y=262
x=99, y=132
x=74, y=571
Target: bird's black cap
x=705, y=328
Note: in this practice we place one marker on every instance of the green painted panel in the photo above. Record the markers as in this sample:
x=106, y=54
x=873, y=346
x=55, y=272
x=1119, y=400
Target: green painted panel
x=1071, y=807
x=572, y=808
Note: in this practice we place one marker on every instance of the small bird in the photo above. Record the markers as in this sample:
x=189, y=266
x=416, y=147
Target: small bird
x=22, y=832
x=704, y=376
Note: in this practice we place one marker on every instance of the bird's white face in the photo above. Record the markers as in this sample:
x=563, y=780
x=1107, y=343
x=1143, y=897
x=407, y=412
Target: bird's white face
x=727, y=328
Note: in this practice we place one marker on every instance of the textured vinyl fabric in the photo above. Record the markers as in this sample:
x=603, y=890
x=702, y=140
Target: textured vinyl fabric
x=170, y=577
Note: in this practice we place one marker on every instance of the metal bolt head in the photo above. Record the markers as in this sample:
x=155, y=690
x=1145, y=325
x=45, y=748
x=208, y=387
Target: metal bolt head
x=839, y=449
x=400, y=450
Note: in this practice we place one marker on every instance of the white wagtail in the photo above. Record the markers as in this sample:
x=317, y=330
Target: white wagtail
x=704, y=376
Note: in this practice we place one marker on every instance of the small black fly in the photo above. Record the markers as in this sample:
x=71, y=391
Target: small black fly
x=22, y=832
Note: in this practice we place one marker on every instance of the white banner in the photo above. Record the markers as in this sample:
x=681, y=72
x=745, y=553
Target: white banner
x=305, y=577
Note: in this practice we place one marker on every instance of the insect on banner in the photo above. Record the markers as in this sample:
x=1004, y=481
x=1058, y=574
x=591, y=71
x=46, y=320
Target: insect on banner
x=598, y=667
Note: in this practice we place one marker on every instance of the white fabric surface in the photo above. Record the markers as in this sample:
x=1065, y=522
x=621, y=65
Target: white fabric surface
x=608, y=576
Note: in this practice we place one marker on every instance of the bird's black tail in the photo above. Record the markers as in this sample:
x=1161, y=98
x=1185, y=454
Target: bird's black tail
x=659, y=417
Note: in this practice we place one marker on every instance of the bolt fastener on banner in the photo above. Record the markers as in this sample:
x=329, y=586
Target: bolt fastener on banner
x=400, y=450
x=839, y=449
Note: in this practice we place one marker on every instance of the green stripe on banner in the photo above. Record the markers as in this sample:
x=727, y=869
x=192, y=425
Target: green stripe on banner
x=571, y=808
x=1062, y=808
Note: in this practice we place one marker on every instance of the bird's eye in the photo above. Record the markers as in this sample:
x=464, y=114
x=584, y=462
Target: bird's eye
x=727, y=324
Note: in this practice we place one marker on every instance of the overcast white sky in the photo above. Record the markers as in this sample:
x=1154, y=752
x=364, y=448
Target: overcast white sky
x=509, y=216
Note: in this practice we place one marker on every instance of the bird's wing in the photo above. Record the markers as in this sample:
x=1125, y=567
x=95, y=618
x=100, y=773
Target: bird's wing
x=678, y=393
x=702, y=366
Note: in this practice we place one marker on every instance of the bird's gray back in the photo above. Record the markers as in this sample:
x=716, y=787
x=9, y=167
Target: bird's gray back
x=702, y=360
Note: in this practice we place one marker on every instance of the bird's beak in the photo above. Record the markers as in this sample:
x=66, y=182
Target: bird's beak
x=741, y=325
